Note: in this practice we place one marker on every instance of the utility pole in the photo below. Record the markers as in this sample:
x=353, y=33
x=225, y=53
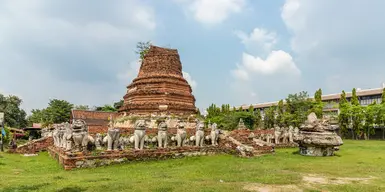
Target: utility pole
x=2, y=131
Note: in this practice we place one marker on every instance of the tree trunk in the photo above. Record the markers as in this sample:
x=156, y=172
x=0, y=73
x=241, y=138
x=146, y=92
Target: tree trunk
x=368, y=134
x=383, y=134
x=352, y=134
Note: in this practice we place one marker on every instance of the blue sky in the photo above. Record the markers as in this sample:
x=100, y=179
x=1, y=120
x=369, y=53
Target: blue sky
x=232, y=51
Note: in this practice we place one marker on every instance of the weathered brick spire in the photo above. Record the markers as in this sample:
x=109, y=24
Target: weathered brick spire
x=160, y=86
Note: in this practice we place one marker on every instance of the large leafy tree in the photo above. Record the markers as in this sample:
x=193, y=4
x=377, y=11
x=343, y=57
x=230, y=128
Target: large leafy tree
x=14, y=115
x=58, y=111
x=298, y=107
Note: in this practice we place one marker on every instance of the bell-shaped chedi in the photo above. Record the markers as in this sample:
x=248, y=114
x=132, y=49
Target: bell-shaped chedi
x=160, y=87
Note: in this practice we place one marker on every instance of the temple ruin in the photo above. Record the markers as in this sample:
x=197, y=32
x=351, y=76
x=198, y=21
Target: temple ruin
x=159, y=87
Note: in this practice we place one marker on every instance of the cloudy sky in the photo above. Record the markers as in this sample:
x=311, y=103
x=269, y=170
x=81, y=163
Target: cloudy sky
x=232, y=51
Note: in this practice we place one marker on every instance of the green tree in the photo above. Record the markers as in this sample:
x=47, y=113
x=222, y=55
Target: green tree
x=269, y=119
x=343, y=99
x=106, y=108
x=258, y=118
x=225, y=108
x=37, y=116
x=380, y=115
x=357, y=115
x=298, y=107
x=280, y=119
x=213, y=111
x=383, y=97
x=119, y=104
x=142, y=48
x=14, y=116
x=58, y=111
x=234, y=110
x=251, y=110
x=370, y=119
x=344, y=115
x=354, y=99
x=318, y=105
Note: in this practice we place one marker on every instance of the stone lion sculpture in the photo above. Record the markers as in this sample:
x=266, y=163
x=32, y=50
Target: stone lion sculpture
x=139, y=133
x=80, y=134
x=162, y=135
x=181, y=133
x=67, y=136
x=113, y=135
x=277, y=134
x=214, y=134
x=199, y=135
x=56, y=136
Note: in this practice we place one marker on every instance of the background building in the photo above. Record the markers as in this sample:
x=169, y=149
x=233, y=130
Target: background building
x=365, y=97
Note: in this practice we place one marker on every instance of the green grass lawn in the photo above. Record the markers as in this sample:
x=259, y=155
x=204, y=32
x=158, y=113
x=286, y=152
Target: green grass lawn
x=356, y=159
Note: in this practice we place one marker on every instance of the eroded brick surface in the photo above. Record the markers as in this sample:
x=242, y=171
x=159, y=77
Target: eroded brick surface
x=159, y=86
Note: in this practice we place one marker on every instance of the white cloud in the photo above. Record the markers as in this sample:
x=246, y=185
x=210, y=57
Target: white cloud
x=338, y=43
x=263, y=68
x=213, y=11
x=277, y=61
x=259, y=41
x=69, y=51
x=190, y=80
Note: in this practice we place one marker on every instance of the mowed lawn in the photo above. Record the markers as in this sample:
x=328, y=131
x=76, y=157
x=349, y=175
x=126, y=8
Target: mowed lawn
x=358, y=166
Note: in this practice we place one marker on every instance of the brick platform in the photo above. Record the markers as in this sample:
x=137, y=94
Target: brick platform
x=95, y=159
x=34, y=146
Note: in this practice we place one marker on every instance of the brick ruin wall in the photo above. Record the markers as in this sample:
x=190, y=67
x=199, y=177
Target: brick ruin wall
x=34, y=146
x=89, y=160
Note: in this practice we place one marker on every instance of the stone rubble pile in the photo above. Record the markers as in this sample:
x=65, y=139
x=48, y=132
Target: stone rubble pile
x=317, y=137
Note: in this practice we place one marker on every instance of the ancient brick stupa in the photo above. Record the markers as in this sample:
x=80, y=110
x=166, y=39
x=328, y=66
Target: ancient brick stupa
x=159, y=87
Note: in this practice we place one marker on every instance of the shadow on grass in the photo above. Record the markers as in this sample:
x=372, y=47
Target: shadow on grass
x=297, y=153
x=72, y=189
x=23, y=188
x=97, y=180
x=164, y=189
x=58, y=178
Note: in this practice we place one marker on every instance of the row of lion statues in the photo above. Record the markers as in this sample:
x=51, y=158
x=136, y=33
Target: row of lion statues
x=75, y=137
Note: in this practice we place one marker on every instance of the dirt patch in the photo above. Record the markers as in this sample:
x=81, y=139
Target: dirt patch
x=322, y=180
x=271, y=188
